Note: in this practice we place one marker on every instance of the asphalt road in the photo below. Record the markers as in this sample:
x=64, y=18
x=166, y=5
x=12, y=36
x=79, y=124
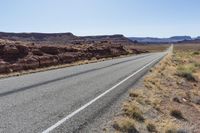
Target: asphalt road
x=64, y=100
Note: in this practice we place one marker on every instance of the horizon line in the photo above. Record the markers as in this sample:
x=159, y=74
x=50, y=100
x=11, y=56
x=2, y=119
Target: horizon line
x=137, y=36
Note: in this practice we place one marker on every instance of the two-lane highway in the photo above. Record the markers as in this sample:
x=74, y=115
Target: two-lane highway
x=64, y=99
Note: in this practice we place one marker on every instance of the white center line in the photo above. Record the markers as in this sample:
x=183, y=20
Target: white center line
x=95, y=99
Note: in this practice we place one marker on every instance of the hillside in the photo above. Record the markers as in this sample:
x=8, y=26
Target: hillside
x=25, y=51
x=63, y=38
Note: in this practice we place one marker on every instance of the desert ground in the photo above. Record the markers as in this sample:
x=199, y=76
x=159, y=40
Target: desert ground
x=169, y=99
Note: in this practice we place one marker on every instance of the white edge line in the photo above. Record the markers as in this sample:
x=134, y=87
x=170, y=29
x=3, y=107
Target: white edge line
x=95, y=99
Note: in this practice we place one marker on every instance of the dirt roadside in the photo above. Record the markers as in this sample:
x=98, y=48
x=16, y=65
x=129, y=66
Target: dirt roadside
x=169, y=99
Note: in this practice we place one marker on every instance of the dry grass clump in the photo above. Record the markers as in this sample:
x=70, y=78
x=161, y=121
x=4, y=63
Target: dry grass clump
x=125, y=124
x=131, y=110
x=151, y=128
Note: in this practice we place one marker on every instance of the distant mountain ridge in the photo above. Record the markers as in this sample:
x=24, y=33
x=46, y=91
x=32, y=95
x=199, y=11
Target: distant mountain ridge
x=174, y=39
x=69, y=38
x=63, y=38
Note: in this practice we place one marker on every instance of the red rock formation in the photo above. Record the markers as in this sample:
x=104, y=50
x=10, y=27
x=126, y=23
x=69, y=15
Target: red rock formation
x=47, y=60
x=29, y=63
x=4, y=67
x=17, y=57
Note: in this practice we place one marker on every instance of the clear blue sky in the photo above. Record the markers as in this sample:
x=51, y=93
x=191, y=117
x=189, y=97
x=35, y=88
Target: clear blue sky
x=161, y=18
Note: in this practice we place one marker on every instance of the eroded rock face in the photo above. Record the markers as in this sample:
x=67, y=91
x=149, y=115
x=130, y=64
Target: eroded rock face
x=10, y=52
x=37, y=52
x=29, y=63
x=50, y=50
x=17, y=57
x=69, y=57
x=23, y=50
x=47, y=60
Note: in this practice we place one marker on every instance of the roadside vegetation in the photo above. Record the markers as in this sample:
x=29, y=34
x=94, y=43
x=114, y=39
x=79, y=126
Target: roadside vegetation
x=169, y=99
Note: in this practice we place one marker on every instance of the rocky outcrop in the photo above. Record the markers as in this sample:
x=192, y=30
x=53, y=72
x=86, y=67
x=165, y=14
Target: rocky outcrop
x=4, y=66
x=16, y=57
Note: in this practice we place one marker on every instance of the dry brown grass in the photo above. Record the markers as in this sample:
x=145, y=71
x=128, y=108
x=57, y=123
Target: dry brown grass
x=125, y=124
x=169, y=102
x=131, y=110
x=151, y=127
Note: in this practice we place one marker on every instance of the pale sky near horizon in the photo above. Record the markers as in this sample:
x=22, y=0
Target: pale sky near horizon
x=153, y=18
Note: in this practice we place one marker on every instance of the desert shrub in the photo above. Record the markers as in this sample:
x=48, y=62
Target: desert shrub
x=138, y=116
x=186, y=72
x=196, y=53
x=189, y=76
x=151, y=127
x=134, y=112
x=177, y=114
x=125, y=124
x=197, y=65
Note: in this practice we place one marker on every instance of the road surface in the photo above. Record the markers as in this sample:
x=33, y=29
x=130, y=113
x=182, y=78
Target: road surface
x=63, y=100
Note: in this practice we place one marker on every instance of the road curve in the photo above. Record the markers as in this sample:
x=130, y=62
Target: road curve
x=63, y=100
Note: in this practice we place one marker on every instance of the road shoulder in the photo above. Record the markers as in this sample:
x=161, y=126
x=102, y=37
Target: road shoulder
x=168, y=101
